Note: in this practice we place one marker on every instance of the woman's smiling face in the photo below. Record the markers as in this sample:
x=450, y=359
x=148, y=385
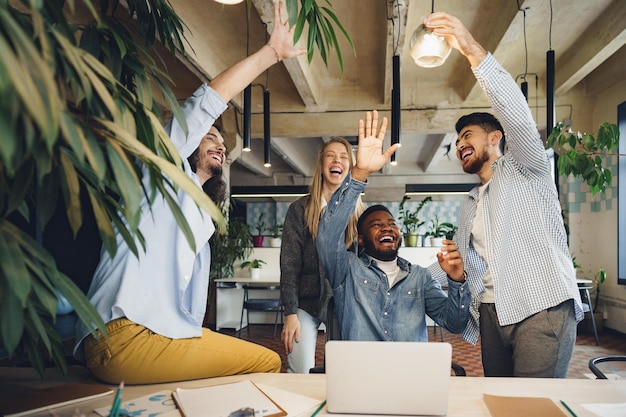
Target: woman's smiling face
x=336, y=163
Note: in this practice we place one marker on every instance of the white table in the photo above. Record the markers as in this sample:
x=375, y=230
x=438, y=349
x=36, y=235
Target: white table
x=229, y=300
x=465, y=392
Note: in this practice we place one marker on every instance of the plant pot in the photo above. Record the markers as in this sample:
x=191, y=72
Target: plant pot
x=410, y=239
x=255, y=273
x=275, y=242
x=436, y=242
x=257, y=241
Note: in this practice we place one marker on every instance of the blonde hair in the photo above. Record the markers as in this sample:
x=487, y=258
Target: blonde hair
x=313, y=210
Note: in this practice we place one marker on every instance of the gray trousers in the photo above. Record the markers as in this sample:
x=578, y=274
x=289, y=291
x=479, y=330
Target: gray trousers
x=540, y=346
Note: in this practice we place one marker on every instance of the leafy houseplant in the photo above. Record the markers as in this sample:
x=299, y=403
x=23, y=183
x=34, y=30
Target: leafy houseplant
x=79, y=117
x=581, y=154
x=229, y=247
x=254, y=265
x=439, y=231
x=410, y=220
x=276, y=230
x=259, y=227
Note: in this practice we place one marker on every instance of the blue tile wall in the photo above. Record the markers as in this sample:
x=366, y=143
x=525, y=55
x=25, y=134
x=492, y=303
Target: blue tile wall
x=446, y=210
x=576, y=195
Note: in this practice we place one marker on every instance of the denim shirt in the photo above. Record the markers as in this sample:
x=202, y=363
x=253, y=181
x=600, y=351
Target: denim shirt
x=367, y=309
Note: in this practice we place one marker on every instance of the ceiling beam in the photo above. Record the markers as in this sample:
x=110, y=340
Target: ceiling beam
x=298, y=68
x=288, y=149
x=604, y=37
x=442, y=147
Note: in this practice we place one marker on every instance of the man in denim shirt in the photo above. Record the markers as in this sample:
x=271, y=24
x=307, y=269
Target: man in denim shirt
x=377, y=295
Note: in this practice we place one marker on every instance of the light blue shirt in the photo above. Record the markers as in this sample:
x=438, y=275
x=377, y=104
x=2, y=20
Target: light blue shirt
x=367, y=308
x=165, y=288
x=527, y=251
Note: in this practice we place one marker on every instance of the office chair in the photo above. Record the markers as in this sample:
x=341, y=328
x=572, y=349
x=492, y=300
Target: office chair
x=587, y=307
x=260, y=304
x=610, y=358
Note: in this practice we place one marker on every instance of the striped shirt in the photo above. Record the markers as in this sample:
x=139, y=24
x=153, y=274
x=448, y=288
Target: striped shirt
x=526, y=243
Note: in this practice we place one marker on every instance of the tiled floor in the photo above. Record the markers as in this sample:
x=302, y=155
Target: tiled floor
x=467, y=355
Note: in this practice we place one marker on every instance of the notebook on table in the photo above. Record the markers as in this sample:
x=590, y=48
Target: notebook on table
x=398, y=378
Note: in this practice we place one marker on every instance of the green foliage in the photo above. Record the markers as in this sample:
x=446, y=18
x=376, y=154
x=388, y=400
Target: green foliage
x=441, y=229
x=581, y=154
x=253, y=264
x=276, y=229
x=78, y=115
x=410, y=218
x=228, y=247
x=260, y=225
x=320, y=21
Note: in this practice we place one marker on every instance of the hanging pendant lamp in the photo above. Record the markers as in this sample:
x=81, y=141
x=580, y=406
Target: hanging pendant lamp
x=427, y=49
x=266, y=129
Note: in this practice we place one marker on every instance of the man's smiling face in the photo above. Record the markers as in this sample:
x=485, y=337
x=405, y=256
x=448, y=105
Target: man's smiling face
x=380, y=236
x=472, y=148
x=211, y=154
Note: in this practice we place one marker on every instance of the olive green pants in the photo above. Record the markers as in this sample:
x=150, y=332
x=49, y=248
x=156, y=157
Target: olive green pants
x=134, y=354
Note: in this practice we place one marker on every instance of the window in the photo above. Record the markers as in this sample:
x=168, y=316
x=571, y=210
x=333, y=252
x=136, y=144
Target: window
x=621, y=195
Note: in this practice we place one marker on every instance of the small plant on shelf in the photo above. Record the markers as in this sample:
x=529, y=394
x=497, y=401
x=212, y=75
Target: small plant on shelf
x=253, y=264
x=410, y=220
x=276, y=229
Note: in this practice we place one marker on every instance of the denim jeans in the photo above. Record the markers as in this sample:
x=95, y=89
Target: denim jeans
x=302, y=357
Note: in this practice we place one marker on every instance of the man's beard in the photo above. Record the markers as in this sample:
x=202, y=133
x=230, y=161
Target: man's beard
x=476, y=165
x=382, y=255
x=216, y=170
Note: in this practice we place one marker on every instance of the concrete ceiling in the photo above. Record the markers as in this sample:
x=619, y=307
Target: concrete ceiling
x=312, y=102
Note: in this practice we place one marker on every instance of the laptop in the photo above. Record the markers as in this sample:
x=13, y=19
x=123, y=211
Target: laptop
x=393, y=378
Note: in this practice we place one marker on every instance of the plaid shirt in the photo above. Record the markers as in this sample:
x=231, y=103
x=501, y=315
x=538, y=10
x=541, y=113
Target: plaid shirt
x=526, y=243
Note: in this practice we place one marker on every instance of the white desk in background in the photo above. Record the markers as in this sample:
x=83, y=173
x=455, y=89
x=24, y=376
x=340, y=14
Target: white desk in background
x=465, y=392
x=229, y=300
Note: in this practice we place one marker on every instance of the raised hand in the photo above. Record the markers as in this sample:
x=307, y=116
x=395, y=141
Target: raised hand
x=281, y=38
x=369, y=155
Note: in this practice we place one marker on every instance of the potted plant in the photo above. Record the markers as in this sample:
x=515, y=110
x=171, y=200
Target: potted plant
x=440, y=231
x=259, y=227
x=411, y=221
x=277, y=230
x=581, y=154
x=254, y=266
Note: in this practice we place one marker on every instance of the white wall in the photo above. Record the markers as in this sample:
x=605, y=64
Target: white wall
x=593, y=235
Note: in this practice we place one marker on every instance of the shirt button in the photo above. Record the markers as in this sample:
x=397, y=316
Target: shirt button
x=385, y=313
x=364, y=281
x=462, y=305
x=409, y=292
x=388, y=294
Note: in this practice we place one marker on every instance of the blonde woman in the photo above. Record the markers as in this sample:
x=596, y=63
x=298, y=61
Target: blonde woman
x=305, y=290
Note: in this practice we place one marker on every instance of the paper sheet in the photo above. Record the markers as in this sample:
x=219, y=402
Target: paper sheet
x=155, y=404
x=221, y=400
x=293, y=404
x=606, y=409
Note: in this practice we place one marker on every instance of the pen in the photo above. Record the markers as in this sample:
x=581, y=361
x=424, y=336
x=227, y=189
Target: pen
x=568, y=409
x=115, y=408
x=318, y=409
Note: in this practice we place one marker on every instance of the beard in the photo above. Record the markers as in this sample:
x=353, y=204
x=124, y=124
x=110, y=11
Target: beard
x=216, y=170
x=477, y=164
x=383, y=255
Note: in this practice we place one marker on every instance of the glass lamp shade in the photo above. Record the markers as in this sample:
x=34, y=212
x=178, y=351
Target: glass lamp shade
x=427, y=49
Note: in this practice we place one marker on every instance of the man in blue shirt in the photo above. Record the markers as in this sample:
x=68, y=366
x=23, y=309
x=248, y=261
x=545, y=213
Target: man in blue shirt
x=377, y=295
x=525, y=301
